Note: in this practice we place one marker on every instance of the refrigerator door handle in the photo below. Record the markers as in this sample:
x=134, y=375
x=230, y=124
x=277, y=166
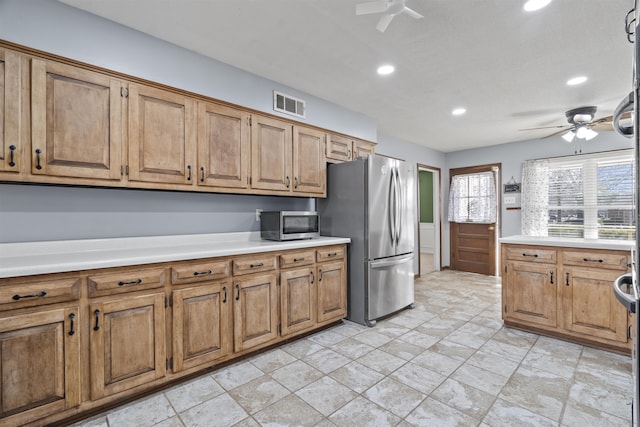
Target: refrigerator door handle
x=391, y=204
x=391, y=262
x=399, y=207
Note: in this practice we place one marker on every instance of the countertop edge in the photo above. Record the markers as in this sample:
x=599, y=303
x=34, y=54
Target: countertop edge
x=619, y=245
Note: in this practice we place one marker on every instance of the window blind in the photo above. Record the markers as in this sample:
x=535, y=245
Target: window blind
x=586, y=196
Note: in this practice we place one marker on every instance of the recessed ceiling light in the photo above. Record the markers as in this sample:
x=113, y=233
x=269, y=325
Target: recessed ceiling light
x=532, y=5
x=459, y=111
x=576, y=80
x=383, y=70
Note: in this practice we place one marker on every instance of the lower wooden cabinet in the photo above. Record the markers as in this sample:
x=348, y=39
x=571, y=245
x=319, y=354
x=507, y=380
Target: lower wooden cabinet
x=566, y=293
x=332, y=294
x=127, y=343
x=201, y=325
x=255, y=310
x=39, y=363
x=297, y=300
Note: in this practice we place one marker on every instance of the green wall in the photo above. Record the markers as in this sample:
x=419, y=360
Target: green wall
x=426, y=196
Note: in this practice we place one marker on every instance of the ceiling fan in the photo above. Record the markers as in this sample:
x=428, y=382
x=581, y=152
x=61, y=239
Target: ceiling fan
x=390, y=8
x=582, y=123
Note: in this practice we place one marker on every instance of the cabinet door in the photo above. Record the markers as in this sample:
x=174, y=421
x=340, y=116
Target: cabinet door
x=76, y=122
x=338, y=148
x=161, y=136
x=255, y=311
x=362, y=149
x=309, y=162
x=127, y=339
x=223, y=146
x=332, y=291
x=590, y=305
x=201, y=325
x=531, y=293
x=9, y=111
x=297, y=300
x=271, y=154
x=39, y=364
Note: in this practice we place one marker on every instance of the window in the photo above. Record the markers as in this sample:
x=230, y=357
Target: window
x=472, y=198
x=585, y=196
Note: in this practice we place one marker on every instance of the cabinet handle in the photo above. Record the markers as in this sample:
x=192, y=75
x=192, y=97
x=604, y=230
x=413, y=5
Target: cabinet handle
x=295, y=182
x=531, y=255
x=133, y=282
x=238, y=292
x=12, y=148
x=224, y=291
x=312, y=277
x=298, y=259
x=592, y=260
x=551, y=274
x=97, y=313
x=260, y=264
x=349, y=154
x=71, y=317
x=201, y=173
x=566, y=276
x=188, y=172
x=332, y=254
x=288, y=181
x=38, y=165
x=39, y=294
x=320, y=278
x=202, y=273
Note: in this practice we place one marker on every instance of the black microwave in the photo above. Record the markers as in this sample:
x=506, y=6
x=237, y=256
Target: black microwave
x=289, y=225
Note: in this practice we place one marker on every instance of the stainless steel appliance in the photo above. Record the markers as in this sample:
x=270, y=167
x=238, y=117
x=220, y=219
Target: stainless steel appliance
x=372, y=201
x=626, y=286
x=289, y=225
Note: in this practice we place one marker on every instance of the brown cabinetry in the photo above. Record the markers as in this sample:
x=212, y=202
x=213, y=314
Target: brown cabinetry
x=332, y=291
x=343, y=149
x=297, y=300
x=10, y=147
x=271, y=150
x=161, y=136
x=565, y=292
x=76, y=122
x=255, y=310
x=309, y=162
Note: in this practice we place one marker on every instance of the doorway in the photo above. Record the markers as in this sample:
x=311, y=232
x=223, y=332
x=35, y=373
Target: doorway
x=474, y=217
x=429, y=219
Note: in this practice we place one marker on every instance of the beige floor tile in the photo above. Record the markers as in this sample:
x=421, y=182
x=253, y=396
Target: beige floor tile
x=247, y=422
x=258, y=394
x=296, y=375
x=326, y=360
x=452, y=349
x=492, y=363
x=271, y=360
x=395, y=397
x=440, y=326
x=302, y=348
x=221, y=411
x=351, y=348
x=504, y=413
x=327, y=337
x=465, y=398
x=356, y=376
x=289, y=411
x=326, y=395
x=434, y=413
x=402, y=349
x=436, y=362
x=237, y=374
x=420, y=339
x=480, y=378
x=563, y=366
x=418, y=377
x=361, y=412
x=373, y=338
x=170, y=422
x=584, y=416
x=193, y=393
x=141, y=413
x=382, y=362
x=515, y=337
x=611, y=401
x=391, y=330
x=504, y=350
x=556, y=347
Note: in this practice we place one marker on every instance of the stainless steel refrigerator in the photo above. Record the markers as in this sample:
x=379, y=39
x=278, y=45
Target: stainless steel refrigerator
x=372, y=201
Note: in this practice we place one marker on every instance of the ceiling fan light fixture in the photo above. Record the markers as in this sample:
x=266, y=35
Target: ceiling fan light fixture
x=576, y=81
x=385, y=70
x=569, y=136
x=590, y=134
x=533, y=5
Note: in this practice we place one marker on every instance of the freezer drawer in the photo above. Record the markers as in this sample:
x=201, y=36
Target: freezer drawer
x=390, y=285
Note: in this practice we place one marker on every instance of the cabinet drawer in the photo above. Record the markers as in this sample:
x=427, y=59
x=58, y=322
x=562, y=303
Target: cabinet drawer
x=125, y=281
x=253, y=264
x=618, y=261
x=296, y=259
x=524, y=253
x=200, y=272
x=330, y=253
x=31, y=294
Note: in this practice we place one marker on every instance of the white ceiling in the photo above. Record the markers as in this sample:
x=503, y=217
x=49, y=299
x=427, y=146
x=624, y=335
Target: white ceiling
x=507, y=67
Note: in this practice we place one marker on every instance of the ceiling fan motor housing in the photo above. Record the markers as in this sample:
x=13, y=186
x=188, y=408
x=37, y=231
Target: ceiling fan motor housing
x=581, y=115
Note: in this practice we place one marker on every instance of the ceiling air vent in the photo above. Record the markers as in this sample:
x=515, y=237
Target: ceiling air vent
x=288, y=104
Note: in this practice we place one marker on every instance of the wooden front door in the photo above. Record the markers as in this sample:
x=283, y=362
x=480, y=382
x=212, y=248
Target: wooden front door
x=473, y=244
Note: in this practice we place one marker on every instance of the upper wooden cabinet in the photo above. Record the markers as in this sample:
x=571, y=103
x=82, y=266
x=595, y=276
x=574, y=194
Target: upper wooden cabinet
x=343, y=149
x=161, y=136
x=223, y=146
x=362, y=148
x=76, y=122
x=309, y=162
x=10, y=147
x=271, y=149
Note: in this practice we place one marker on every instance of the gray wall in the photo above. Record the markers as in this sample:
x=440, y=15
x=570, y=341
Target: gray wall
x=511, y=157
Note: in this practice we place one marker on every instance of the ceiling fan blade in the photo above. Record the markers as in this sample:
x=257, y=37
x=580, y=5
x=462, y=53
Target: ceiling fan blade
x=556, y=133
x=384, y=22
x=371, y=7
x=412, y=13
x=548, y=127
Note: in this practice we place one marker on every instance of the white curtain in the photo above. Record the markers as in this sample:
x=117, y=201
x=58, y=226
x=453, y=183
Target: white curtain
x=535, y=197
x=472, y=198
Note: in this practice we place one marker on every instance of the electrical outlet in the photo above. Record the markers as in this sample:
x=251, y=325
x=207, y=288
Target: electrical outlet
x=258, y=213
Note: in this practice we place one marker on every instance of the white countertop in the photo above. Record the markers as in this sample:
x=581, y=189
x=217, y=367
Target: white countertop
x=625, y=245
x=29, y=258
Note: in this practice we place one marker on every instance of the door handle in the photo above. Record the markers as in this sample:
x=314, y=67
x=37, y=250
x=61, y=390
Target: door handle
x=491, y=228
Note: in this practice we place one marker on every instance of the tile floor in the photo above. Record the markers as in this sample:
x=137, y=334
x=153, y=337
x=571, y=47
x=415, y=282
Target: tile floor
x=448, y=362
